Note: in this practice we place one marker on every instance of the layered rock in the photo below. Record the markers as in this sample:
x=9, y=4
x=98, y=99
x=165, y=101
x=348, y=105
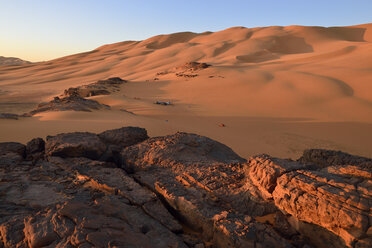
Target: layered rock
x=101, y=87
x=203, y=181
x=74, y=103
x=120, y=188
x=74, y=99
x=73, y=201
x=329, y=191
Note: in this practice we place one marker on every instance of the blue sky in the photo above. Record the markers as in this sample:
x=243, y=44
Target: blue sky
x=45, y=29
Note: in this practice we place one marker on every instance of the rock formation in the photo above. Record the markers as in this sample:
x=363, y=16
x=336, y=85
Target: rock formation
x=74, y=99
x=121, y=188
x=9, y=116
x=12, y=61
x=187, y=70
x=73, y=102
x=101, y=87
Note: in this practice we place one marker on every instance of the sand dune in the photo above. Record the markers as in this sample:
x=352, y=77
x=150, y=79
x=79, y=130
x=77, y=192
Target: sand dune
x=277, y=89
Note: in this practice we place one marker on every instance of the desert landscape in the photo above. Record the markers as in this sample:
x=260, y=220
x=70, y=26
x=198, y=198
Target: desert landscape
x=254, y=137
x=275, y=90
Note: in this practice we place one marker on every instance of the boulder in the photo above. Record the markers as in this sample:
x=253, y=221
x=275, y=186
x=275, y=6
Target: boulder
x=181, y=148
x=326, y=194
x=329, y=201
x=35, y=146
x=12, y=147
x=77, y=144
x=123, y=137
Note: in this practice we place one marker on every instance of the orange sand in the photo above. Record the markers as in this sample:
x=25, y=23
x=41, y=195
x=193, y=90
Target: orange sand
x=278, y=90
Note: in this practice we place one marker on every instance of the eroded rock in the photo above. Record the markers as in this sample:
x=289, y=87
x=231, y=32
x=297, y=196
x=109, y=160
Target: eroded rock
x=78, y=144
x=12, y=147
x=180, y=149
x=73, y=102
x=101, y=87
x=125, y=136
x=182, y=190
x=188, y=70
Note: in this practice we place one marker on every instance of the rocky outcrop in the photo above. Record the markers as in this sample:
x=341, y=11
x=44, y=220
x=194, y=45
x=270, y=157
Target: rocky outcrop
x=12, y=147
x=74, y=98
x=193, y=66
x=326, y=158
x=12, y=61
x=328, y=191
x=74, y=103
x=101, y=87
x=125, y=136
x=187, y=70
x=9, y=116
x=78, y=144
x=120, y=188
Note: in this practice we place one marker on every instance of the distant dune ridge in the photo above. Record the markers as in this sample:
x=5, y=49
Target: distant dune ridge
x=12, y=61
x=297, y=72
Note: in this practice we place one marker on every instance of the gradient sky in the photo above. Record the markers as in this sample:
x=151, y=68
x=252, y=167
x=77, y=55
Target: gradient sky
x=39, y=30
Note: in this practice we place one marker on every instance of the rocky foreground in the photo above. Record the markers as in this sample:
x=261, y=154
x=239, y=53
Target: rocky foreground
x=122, y=189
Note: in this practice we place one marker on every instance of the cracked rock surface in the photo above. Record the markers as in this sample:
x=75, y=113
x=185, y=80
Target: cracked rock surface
x=120, y=188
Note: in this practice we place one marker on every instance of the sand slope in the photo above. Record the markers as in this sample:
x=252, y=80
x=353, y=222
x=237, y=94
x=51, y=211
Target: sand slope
x=277, y=89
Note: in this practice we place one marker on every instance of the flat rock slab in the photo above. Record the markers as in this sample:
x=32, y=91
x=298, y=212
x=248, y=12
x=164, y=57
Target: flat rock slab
x=125, y=136
x=78, y=144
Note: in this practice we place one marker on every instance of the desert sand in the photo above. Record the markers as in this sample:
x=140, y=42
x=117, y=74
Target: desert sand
x=275, y=90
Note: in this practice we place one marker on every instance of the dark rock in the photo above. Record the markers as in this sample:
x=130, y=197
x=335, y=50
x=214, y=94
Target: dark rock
x=9, y=116
x=112, y=154
x=12, y=147
x=123, y=137
x=185, y=70
x=36, y=145
x=85, y=92
x=194, y=66
x=73, y=102
x=101, y=87
x=11, y=233
x=78, y=144
x=325, y=158
x=39, y=231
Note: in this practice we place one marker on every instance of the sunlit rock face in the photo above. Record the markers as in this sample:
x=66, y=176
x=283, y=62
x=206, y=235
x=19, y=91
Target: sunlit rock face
x=121, y=188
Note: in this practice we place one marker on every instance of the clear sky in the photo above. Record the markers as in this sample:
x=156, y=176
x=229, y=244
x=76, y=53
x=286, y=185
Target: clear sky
x=38, y=30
